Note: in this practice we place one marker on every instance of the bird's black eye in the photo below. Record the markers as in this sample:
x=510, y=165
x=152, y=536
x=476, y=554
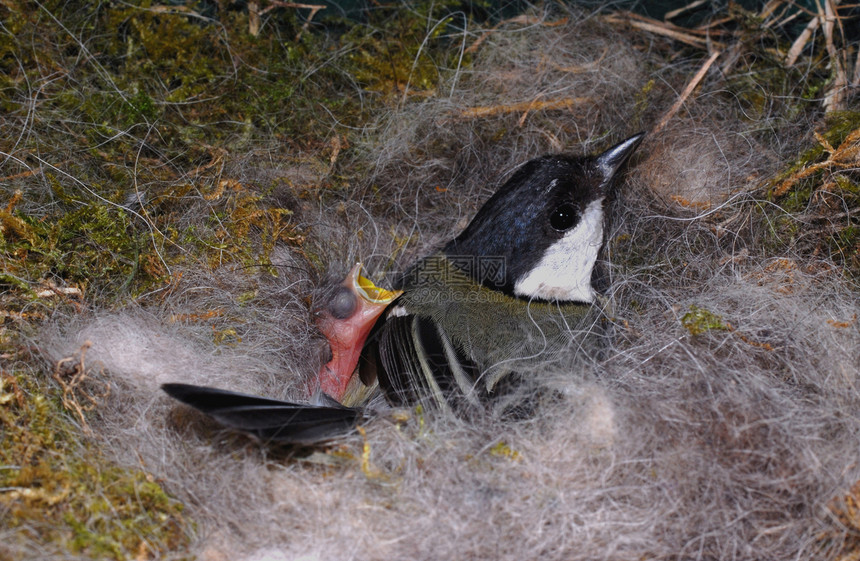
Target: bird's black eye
x=563, y=217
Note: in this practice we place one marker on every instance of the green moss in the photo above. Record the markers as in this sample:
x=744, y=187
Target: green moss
x=140, y=98
x=407, y=58
x=822, y=182
x=845, y=244
x=760, y=81
x=839, y=124
x=143, y=107
x=642, y=103
x=502, y=449
x=58, y=490
x=699, y=320
x=90, y=244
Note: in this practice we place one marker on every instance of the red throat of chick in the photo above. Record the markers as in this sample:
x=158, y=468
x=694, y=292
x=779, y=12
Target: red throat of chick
x=346, y=322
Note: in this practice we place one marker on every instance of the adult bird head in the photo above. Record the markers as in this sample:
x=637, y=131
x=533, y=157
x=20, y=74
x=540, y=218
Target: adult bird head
x=539, y=235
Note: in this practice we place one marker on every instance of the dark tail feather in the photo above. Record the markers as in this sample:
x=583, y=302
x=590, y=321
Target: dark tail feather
x=269, y=420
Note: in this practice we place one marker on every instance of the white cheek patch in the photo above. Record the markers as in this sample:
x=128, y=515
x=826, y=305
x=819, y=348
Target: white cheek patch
x=564, y=271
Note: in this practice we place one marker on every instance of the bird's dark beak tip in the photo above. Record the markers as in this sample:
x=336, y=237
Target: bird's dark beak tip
x=611, y=160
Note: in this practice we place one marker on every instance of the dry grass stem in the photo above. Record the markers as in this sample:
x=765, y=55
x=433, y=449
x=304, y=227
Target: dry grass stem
x=525, y=107
x=71, y=373
x=801, y=41
x=836, y=95
x=692, y=5
x=688, y=90
x=695, y=38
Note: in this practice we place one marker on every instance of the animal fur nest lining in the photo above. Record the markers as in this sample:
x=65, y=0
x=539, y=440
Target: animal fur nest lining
x=720, y=419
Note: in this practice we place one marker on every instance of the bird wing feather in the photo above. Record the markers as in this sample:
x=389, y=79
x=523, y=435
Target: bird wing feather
x=420, y=363
x=270, y=420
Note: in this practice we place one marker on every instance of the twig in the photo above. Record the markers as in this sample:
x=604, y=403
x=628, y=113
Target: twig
x=856, y=80
x=691, y=85
x=580, y=68
x=713, y=23
x=770, y=20
x=800, y=42
x=834, y=99
x=682, y=9
x=776, y=22
x=692, y=37
x=702, y=33
x=53, y=290
x=769, y=9
x=22, y=175
x=76, y=374
x=526, y=106
x=162, y=9
x=253, y=17
x=314, y=8
x=30, y=172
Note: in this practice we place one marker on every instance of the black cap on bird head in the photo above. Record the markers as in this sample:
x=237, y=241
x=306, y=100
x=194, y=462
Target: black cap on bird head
x=543, y=229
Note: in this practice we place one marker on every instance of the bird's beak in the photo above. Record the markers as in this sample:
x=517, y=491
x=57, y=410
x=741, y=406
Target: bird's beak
x=368, y=291
x=346, y=336
x=611, y=161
